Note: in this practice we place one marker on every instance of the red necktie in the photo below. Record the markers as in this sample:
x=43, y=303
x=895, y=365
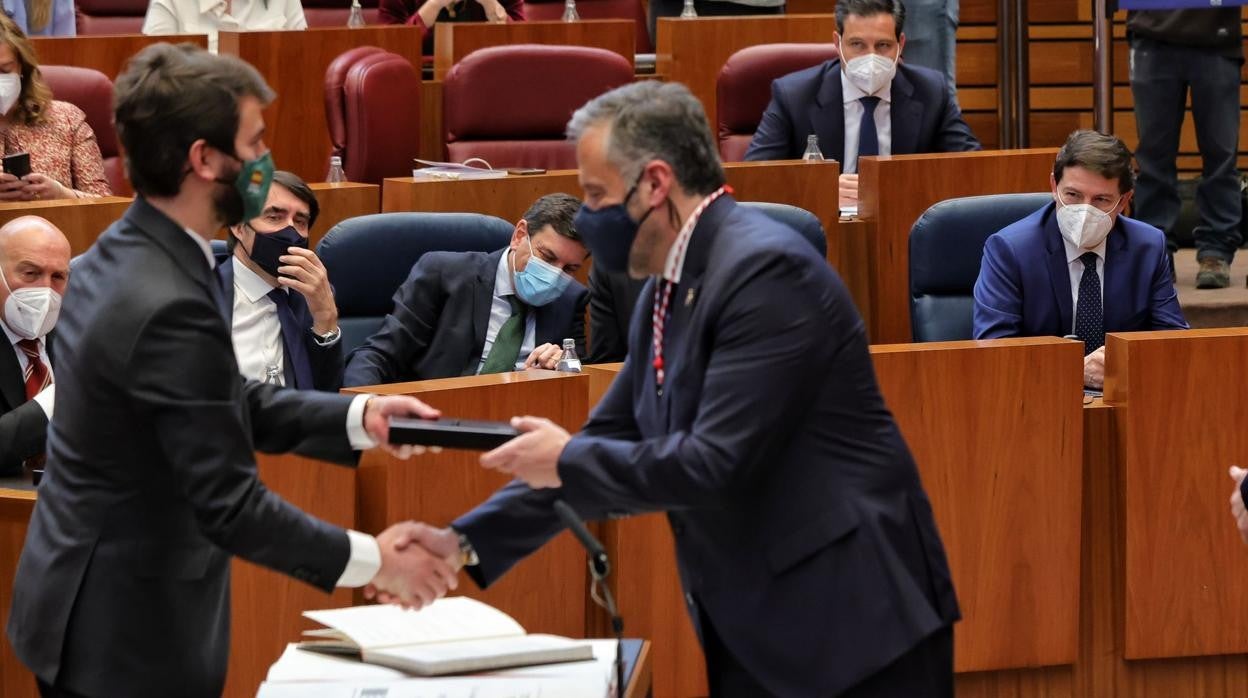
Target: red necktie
x=37, y=375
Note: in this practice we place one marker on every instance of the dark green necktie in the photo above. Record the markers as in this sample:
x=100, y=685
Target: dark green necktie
x=506, y=347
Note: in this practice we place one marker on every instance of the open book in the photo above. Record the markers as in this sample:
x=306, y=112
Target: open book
x=450, y=636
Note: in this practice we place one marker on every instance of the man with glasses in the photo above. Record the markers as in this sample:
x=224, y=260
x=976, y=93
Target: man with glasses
x=1078, y=266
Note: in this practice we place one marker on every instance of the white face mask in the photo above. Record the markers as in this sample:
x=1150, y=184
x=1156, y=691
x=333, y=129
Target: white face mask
x=1084, y=225
x=10, y=90
x=31, y=312
x=870, y=73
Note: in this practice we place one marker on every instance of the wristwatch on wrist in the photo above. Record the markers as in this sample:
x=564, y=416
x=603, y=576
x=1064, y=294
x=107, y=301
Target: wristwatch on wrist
x=328, y=337
x=467, y=553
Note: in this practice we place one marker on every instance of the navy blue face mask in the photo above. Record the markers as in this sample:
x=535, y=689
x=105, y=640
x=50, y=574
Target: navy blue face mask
x=267, y=247
x=609, y=232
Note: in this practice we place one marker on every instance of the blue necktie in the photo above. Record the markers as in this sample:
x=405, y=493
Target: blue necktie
x=292, y=338
x=868, y=139
x=1090, y=316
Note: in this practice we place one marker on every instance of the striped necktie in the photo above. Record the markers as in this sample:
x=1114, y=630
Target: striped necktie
x=37, y=375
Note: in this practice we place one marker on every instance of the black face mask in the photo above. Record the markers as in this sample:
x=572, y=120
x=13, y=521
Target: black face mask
x=267, y=247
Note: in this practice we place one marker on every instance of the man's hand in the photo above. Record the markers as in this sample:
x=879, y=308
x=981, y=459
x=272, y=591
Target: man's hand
x=306, y=274
x=42, y=187
x=1238, y=512
x=410, y=575
x=849, y=190
x=1094, y=369
x=377, y=415
x=494, y=11
x=534, y=455
x=546, y=356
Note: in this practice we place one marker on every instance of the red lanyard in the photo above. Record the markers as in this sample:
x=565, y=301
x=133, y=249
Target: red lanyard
x=663, y=289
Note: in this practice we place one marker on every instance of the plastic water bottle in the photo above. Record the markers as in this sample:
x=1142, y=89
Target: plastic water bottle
x=569, y=11
x=355, y=20
x=336, y=175
x=688, y=12
x=569, y=362
x=812, y=153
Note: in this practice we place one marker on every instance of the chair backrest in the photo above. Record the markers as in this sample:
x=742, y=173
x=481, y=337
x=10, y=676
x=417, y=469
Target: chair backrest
x=372, y=107
x=510, y=105
x=799, y=219
x=110, y=16
x=549, y=10
x=333, y=13
x=946, y=247
x=369, y=257
x=92, y=92
x=743, y=88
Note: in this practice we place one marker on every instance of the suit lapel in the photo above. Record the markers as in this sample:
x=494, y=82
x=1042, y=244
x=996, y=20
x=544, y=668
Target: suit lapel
x=482, y=299
x=905, y=115
x=827, y=115
x=1059, y=272
x=11, y=383
x=225, y=279
x=1114, y=313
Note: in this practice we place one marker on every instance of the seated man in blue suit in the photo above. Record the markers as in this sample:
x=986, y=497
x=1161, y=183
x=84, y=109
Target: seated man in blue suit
x=464, y=313
x=1078, y=266
x=912, y=109
x=276, y=294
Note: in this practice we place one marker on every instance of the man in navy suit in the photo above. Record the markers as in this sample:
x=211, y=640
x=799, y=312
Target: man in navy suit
x=1078, y=266
x=747, y=410
x=276, y=294
x=912, y=108
x=464, y=313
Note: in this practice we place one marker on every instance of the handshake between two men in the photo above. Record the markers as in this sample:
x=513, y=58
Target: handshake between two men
x=421, y=563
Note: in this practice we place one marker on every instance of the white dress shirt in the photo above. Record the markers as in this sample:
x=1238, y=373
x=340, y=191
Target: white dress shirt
x=365, y=560
x=500, y=310
x=256, y=329
x=210, y=16
x=1076, y=274
x=853, y=121
x=47, y=396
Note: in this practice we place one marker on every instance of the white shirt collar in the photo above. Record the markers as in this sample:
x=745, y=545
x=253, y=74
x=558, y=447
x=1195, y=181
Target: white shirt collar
x=851, y=93
x=204, y=245
x=503, y=283
x=249, y=282
x=1073, y=253
x=674, y=265
x=14, y=338
x=216, y=7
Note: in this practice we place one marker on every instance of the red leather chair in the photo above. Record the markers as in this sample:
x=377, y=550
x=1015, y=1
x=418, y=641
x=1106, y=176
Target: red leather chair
x=333, y=13
x=536, y=10
x=372, y=106
x=743, y=89
x=92, y=92
x=510, y=105
x=110, y=16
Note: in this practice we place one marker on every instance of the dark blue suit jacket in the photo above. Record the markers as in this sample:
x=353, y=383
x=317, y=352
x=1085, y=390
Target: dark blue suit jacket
x=440, y=318
x=327, y=362
x=924, y=116
x=802, y=530
x=1023, y=288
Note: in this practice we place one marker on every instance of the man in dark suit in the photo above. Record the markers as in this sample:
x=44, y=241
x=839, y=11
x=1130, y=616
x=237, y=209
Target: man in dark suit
x=912, y=109
x=276, y=294
x=1079, y=266
x=34, y=268
x=747, y=410
x=123, y=587
x=464, y=313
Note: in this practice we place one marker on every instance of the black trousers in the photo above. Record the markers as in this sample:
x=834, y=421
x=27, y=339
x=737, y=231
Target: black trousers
x=926, y=670
x=705, y=8
x=1161, y=77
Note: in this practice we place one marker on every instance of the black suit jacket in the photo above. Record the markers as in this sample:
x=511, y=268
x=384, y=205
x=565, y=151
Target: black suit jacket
x=326, y=361
x=924, y=116
x=612, y=298
x=123, y=587
x=802, y=530
x=440, y=318
x=23, y=424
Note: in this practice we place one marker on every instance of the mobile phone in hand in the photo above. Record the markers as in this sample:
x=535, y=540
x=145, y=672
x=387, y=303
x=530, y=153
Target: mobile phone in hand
x=17, y=164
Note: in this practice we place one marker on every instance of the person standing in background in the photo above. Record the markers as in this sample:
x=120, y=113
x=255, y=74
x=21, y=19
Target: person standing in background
x=43, y=17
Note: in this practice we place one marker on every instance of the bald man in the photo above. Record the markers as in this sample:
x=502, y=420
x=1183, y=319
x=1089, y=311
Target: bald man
x=34, y=269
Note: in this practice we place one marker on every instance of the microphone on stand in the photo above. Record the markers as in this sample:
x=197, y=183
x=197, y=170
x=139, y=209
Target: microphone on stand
x=599, y=568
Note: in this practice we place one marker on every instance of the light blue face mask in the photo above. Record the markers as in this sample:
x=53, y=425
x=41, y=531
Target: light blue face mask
x=540, y=282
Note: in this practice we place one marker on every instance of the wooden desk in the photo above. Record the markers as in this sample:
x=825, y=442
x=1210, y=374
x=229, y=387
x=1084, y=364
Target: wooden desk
x=105, y=53
x=896, y=190
x=694, y=51
x=545, y=591
x=454, y=40
x=854, y=262
x=82, y=220
x=266, y=606
x=339, y=202
x=294, y=63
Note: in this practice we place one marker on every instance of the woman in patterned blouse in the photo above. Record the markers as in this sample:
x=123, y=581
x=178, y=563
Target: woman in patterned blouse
x=65, y=160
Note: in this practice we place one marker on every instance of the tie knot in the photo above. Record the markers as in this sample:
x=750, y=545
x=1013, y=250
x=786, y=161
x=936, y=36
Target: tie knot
x=279, y=296
x=30, y=347
x=869, y=103
x=517, y=305
x=1089, y=260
